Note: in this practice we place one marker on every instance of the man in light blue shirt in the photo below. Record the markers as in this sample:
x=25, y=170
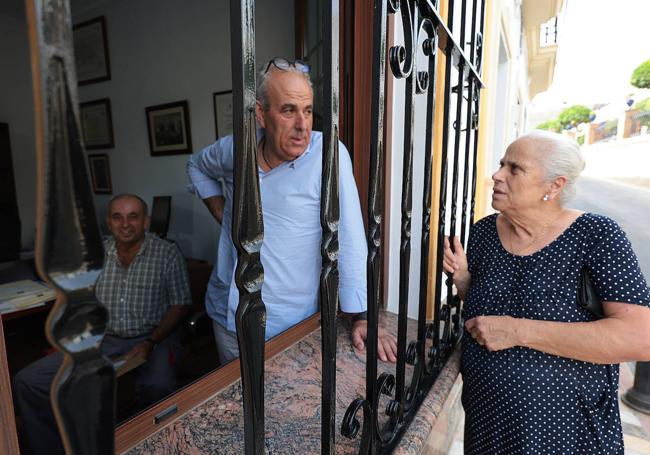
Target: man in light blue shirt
x=289, y=157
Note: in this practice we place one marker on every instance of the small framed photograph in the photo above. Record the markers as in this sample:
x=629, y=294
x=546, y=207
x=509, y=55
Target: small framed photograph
x=222, y=113
x=100, y=173
x=91, y=51
x=97, y=124
x=169, y=129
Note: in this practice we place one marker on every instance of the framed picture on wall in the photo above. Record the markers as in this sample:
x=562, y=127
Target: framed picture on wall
x=91, y=51
x=100, y=173
x=96, y=124
x=169, y=129
x=222, y=113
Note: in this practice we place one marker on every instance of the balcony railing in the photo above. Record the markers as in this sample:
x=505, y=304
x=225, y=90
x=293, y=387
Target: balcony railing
x=70, y=250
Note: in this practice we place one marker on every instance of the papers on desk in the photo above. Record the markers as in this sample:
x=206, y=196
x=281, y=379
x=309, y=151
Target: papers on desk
x=20, y=295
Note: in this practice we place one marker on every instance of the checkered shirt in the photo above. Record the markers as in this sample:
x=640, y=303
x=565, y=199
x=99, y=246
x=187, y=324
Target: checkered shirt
x=139, y=296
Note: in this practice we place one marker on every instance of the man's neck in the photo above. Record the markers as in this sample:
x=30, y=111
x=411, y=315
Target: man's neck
x=126, y=252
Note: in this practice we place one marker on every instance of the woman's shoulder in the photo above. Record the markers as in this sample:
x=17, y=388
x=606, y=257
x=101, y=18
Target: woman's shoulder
x=597, y=224
x=486, y=222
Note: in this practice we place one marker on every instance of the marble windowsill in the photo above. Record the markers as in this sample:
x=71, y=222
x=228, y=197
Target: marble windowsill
x=292, y=405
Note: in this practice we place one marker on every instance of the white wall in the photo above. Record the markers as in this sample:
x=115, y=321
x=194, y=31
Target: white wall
x=161, y=51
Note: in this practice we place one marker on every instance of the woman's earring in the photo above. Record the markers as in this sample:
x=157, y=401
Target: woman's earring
x=546, y=197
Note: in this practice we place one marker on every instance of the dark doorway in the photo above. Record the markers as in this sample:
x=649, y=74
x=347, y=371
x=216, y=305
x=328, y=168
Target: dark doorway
x=9, y=219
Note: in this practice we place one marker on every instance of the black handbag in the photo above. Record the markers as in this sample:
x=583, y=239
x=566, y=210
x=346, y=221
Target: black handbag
x=588, y=298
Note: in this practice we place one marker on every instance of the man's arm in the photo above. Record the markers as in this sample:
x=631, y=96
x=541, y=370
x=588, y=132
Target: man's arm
x=167, y=325
x=353, y=254
x=215, y=205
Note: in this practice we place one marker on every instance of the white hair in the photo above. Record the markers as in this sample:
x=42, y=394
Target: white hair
x=261, y=92
x=560, y=156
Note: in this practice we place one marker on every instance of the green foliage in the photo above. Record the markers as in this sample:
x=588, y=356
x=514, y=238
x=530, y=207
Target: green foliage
x=641, y=75
x=574, y=115
x=643, y=105
x=550, y=125
x=581, y=140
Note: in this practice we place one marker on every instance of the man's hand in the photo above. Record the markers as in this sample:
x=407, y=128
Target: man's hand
x=386, y=343
x=141, y=350
x=494, y=333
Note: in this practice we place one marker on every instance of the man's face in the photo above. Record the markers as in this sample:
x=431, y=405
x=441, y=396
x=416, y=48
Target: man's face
x=288, y=121
x=127, y=221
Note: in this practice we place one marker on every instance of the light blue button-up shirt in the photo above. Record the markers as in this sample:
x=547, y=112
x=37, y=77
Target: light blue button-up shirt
x=292, y=235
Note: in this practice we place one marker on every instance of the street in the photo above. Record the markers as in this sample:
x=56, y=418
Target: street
x=628, y=205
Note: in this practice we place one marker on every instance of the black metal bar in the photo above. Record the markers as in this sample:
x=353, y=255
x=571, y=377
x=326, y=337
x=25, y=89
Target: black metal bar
x=453, y=301
x=418, y=349
x=329, y=216
x=69, y=251
x=442, y=343
x=247, y=227
x=446, y=40
x=468, y=132
x=477, y=96
x=396, y=409
x=350, y=425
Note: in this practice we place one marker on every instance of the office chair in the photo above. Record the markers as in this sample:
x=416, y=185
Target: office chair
x=160, y=211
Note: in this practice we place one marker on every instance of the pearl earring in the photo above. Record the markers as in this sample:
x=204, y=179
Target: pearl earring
x=546, y=197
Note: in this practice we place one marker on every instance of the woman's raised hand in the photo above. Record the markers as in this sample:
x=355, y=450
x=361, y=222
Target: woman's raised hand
x=455, y=262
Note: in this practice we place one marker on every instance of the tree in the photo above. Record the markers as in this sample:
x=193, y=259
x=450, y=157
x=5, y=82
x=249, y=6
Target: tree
x=574, y=115
x=550, y=125
x=641, y=75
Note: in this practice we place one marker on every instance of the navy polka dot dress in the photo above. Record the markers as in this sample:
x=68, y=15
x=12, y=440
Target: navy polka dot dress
x=523, y=401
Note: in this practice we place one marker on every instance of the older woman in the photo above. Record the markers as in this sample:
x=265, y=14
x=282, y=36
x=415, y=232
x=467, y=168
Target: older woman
x=540, y=373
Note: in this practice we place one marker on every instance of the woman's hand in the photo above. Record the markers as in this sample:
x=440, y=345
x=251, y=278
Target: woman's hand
x=494, y=333
x=455, y=262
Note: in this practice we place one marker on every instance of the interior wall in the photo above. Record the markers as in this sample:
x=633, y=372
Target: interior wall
x=16, y=109
x=161, y=51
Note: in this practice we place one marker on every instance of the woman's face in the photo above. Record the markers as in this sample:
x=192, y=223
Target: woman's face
x=519, y=184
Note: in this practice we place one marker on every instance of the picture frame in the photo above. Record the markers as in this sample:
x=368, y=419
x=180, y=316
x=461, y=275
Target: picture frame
x=91, y=58
x=96, y=124
x=168, y=127
x=100, y=173
x=222, y=113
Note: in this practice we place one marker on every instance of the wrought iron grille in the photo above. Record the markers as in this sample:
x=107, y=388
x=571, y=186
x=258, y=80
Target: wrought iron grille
x=70, y=252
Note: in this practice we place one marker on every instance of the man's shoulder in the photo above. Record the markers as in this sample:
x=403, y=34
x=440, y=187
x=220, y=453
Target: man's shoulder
x=166, y=247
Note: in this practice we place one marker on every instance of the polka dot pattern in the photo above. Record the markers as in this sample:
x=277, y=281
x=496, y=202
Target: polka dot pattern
x=522, y=401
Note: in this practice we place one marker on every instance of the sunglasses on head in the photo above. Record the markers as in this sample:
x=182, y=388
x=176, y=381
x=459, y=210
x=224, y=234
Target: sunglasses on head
x=284, y=64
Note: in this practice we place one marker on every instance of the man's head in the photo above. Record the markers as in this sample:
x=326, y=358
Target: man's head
x=284, y=108
x=127, y=219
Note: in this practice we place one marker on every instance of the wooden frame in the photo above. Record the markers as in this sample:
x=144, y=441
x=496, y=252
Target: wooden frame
x=91, y=51
x=168, y=127
x=100, y=173
x=222, y=102
x=96, y=124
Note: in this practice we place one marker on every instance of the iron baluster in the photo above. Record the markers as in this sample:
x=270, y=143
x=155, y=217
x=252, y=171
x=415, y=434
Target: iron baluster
x=247, y=226
x=468, y=132
x=350, y=425
x=477, y=98
x=329, y=216
x=430, y=50
x=453, y=300
x=69, y=251
x=409, y=15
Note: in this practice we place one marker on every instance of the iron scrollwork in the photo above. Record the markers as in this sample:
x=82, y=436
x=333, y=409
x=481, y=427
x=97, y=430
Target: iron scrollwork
x=423, y=25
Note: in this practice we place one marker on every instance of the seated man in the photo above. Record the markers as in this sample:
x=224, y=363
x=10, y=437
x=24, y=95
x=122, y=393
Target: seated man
x=144, y=286
x=289, y=159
